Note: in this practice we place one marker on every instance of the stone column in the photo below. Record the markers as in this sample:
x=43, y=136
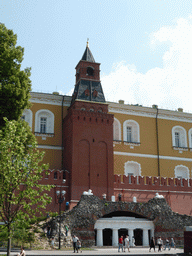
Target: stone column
x=115, y=239
x=99, y=237
x=145, y=237
x=152, y=233
x=131, y=234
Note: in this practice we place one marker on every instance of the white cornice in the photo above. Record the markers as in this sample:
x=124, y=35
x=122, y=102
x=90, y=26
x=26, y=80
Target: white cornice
x=152, y=156
x=50, y=147
x=51, y=99
x=150, y=112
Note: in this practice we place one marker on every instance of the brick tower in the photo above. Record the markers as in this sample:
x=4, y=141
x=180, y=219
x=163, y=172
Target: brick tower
x=88, y=134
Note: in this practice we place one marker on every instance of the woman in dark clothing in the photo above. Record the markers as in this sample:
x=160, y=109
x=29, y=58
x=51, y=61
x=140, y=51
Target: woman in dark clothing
x=152, y=244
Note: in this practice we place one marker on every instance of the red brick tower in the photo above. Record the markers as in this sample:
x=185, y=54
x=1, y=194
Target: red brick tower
x=88, y=134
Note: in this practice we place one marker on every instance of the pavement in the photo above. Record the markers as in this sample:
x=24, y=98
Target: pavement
x=99, y=251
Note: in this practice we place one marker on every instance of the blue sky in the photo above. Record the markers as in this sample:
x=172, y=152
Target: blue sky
x=144, y=47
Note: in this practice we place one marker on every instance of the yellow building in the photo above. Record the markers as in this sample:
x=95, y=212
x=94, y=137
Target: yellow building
x=147, y=141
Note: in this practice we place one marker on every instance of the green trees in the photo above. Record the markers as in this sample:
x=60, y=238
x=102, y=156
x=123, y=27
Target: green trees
x=15, y=84
x=21, y=194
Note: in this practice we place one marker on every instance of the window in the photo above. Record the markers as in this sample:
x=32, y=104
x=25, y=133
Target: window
x=131, y=131
x=44, y=121
x=55, y=175
x=90, y=71
x=27, y=116
x=129, y=136
x=179, y=137
x=181, y=172
x=132, y=168
x=177, y=140
x=116, y=130
x=190, y=138
x=43, y=125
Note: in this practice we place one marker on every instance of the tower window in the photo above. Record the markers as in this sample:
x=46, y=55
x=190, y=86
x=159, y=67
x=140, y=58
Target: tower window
x=90, y=71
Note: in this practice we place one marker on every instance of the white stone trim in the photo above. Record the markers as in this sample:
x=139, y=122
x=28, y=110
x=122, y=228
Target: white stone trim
x=182, y=168
x=152, y=156
x=134, y=164
x=119, y=129
x=50, y=147
x=28, y=116
x=135, y=131
x=179, y=129
x=50, y=120
x=189, y=137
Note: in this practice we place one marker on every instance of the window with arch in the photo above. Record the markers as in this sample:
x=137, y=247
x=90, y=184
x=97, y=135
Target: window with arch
x=181, y=172
x=190, y=138
x=27, y=116
x=179, y=137
x=131, y=131
x=132, y=168
x=44, y=121
x=90, y=71
x=116, y=129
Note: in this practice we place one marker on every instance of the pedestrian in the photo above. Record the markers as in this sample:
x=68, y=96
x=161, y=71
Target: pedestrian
x=120, y=244
x=52, y=242
x=173, y=245
x=22, y=253
x=167, y=244
x=66, y=230
x=48, y=231
x=159, y=243
x=126, y=241
x=133, y=241
x=75, y=239
x=79, y=245
x=152, y=244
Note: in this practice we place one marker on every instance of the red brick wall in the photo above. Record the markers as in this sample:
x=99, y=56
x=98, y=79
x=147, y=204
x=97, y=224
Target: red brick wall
x=176, y=194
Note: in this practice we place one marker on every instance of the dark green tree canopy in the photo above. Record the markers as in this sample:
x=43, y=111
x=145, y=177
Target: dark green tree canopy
x=15, y=84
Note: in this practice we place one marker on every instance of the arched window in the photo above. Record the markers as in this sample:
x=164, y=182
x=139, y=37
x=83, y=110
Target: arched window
x=131, y=131
x=181, y=172
x=44, y=121
x=90, y=71
x=132, y=168
x=116, y=129
x=179, y=137
x=190, y=138
x=27, y=116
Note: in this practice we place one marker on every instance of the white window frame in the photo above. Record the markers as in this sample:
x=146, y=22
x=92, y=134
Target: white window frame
x=28, y=116
x=137, y=173
x=44, y=113
x=181, y=172
x=135, y=131
x=182, y=137
x=190, y=138
x=118, y=130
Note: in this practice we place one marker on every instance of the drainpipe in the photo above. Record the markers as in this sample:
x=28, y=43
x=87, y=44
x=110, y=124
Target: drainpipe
x=62, y=134
x=157, y=135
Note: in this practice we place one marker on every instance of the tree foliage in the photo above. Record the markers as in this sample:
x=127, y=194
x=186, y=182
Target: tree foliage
x=22, y=195
x=15, y=84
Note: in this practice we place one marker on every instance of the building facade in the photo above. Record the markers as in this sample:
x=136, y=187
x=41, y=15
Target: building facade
x=114, y=149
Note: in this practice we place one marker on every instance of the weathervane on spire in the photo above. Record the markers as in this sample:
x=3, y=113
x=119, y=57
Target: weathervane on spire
x=87, y=42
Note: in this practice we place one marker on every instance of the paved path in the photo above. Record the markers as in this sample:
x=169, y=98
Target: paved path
x=100, y=251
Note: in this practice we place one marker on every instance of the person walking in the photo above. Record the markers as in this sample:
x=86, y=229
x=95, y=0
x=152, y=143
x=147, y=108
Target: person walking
x=152, y=244
x=133, y=241
x=22, y=253
x=52, y=242
x=127, y=244
x=167, y=244
x=172, y=245
x=75, y=239
x=159, y=243
x=120, y=244
x=79, y=245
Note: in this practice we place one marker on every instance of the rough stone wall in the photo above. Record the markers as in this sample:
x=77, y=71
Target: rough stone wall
x=82, y=218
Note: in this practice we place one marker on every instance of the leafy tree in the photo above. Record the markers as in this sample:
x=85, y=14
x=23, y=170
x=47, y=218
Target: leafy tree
x=20, y=172
x=15, y=84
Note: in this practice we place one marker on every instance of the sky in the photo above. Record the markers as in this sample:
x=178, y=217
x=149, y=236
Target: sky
x=144, y=47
